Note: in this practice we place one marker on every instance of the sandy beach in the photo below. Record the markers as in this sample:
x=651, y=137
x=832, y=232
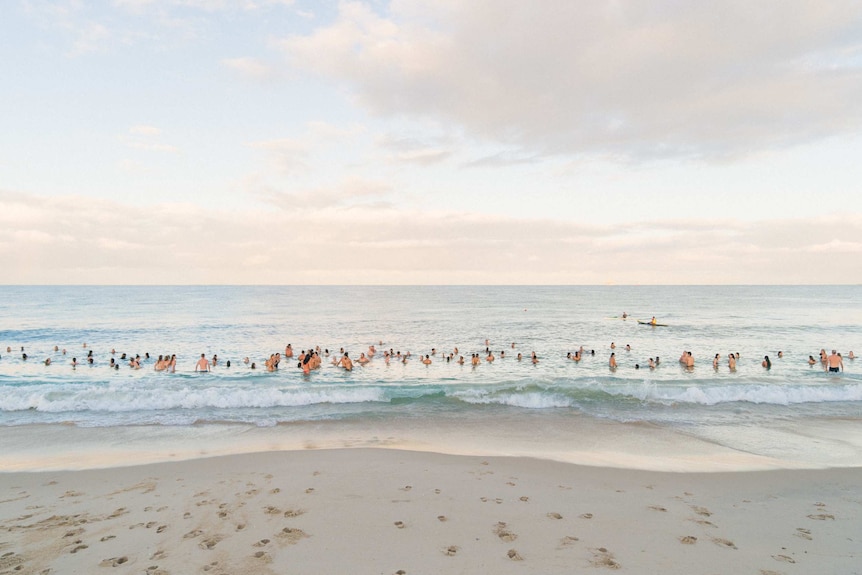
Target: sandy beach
x=395, y=511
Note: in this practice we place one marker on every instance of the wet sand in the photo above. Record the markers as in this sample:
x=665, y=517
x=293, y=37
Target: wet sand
x=397, y=511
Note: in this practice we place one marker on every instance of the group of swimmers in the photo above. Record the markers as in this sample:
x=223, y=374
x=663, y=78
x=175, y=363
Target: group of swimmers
x=311, y=359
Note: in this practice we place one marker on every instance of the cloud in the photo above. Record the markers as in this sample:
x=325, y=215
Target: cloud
x=144, y=137
x=625, y=78
x=143, y=130
x=291, y=156
x=250, y=68
x=86, y=240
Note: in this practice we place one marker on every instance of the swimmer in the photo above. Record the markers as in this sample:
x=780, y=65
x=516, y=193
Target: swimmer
x=362, y=359
x=731, y=362
x=612, y=362
x=427, y=360
x=689, y=361
x=834, y=363
x=48, y=361
x=461, y=360
x=628, y=347
x=202, y=364
x=474, y=359
x=715, y=361
x=288, y=351
x=766, y=363
x=811, y=360
x=613, y=345
x=534, y=358
x=345, y=362
x=850, y=355
x=490, y=357
x=75, y=362
x=651, y=363
x=780, y=354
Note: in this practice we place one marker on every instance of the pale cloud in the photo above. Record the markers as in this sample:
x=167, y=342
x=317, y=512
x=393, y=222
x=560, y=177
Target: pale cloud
x=144, y=137
x=144, y=130
x=629, y=78
x=250, y=68
x=391, y=245
x=290, y=156
x=286, y=155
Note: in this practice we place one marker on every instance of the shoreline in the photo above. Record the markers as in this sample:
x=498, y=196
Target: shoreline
x=373, y=510
x=578, y=441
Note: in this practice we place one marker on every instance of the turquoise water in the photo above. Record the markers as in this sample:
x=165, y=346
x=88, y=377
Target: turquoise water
x=235, y=322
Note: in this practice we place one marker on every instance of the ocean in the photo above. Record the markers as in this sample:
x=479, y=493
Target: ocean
x=793, y=415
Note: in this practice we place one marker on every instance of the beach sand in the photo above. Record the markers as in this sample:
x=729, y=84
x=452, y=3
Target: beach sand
x=392, y=511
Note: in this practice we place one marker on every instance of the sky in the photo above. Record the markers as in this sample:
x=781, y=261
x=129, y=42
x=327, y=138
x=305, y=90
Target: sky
x=486, y=142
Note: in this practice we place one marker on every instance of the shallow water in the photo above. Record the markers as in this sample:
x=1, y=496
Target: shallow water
x=792, y=412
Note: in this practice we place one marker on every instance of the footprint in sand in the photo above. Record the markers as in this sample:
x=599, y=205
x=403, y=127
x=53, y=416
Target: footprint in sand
x=604, y=558
x=310, y=490
x=161, y=529
x=784, y=558
x=79, y=548
x=292, y=535
x=587, y=516
x=451, y=550
x=74, y=532
x=524, y=498
x=262, y=555
x=503, y=533
x=11, y=559
x=406, y=488
x=701, y=510
x=657, y=508
x=554, y=515
x=723, y=543
x=441, y=518
x=294, y=512
x=274, y=491
x=270, y=510
x=193, y=534
x=514, y=556
x=113, y=561
x=261, y=543
x=107, y=538
x=399, y=524
x=821, y=517
x=688, y=540
x=568, y=540
x=210, y=542
x=803, y=533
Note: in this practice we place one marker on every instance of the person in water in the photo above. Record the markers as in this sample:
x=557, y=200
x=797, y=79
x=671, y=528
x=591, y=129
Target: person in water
x=202, y=364
x=834, y=363
x=766, y=363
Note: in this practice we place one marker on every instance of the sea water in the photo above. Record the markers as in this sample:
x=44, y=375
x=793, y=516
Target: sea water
x=793, y=412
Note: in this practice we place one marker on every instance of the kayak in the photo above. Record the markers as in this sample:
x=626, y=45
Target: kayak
x=652, y=324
